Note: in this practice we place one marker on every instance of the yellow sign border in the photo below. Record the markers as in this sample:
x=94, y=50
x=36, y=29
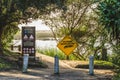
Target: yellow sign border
x=61, y=46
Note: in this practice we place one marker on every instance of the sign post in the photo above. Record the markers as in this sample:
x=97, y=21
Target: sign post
x=67, y=45
x=28, y=45
x=28, y=41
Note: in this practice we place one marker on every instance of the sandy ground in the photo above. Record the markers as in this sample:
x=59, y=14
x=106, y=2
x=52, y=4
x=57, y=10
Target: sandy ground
x=66, y=72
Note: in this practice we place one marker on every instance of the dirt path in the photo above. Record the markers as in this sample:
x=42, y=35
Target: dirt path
x=50, y=62
x=66, y=72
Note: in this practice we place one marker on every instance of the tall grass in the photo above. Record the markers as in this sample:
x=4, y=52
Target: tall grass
x=52, y=52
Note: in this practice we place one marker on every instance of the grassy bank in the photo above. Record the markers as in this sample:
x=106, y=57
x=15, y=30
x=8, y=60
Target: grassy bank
x=97, y=64
x=9, y=60
x=117, y=76
x=13, y=60
x=52, y=52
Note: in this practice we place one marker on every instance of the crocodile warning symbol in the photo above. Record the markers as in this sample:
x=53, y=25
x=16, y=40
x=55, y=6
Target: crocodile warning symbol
x=67, y=45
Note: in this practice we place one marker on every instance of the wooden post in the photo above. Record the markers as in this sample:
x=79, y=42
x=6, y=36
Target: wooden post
x=19, y=47
x=67, y=57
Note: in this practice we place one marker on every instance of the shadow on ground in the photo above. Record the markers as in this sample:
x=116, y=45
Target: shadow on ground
x=65, y=72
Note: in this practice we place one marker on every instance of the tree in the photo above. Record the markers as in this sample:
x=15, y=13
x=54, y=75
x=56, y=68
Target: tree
x=70, y=18
x=109, y=17
x=77, y=20
x=108, y=11
x=8, y=21
x=14, y=11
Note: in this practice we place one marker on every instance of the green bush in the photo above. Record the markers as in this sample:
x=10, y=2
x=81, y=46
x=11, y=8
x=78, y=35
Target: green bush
x=115, y=58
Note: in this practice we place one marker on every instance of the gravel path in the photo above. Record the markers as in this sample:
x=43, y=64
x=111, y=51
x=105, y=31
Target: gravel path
x=66, y=72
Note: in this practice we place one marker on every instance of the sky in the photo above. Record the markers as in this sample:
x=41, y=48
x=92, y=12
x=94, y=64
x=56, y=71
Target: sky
x=37, y=23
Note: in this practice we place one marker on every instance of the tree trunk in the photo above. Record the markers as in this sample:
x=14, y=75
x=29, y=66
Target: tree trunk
x=1, y=46
x=1, y=49
x=104, y=54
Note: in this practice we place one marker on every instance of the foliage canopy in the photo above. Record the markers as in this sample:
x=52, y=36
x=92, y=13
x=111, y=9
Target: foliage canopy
x=13, y=12
x=109, y=11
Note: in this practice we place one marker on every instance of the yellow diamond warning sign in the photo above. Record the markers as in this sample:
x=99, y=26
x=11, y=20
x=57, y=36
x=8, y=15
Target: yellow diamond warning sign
x=67, y=45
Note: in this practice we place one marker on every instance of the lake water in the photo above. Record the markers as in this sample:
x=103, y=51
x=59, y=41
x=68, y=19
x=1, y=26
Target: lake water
x=40, y=43
x=46, y=44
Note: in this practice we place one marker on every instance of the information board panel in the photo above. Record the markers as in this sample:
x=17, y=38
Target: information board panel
x=28, y=41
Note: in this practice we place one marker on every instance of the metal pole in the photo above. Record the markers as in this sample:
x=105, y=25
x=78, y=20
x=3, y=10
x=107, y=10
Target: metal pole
x=91, y=65
x=25, y=62
x=56, y=65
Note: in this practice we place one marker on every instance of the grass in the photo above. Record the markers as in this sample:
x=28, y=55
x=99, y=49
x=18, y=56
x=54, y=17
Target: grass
x=104, y=64
x=8, y=60
x=13, y=60
x=116, y=77
x=4, y=65
x=52, y=52
x=99, y=65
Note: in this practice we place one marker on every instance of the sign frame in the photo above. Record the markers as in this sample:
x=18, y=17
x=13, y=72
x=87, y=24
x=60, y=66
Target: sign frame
x=28, y=45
